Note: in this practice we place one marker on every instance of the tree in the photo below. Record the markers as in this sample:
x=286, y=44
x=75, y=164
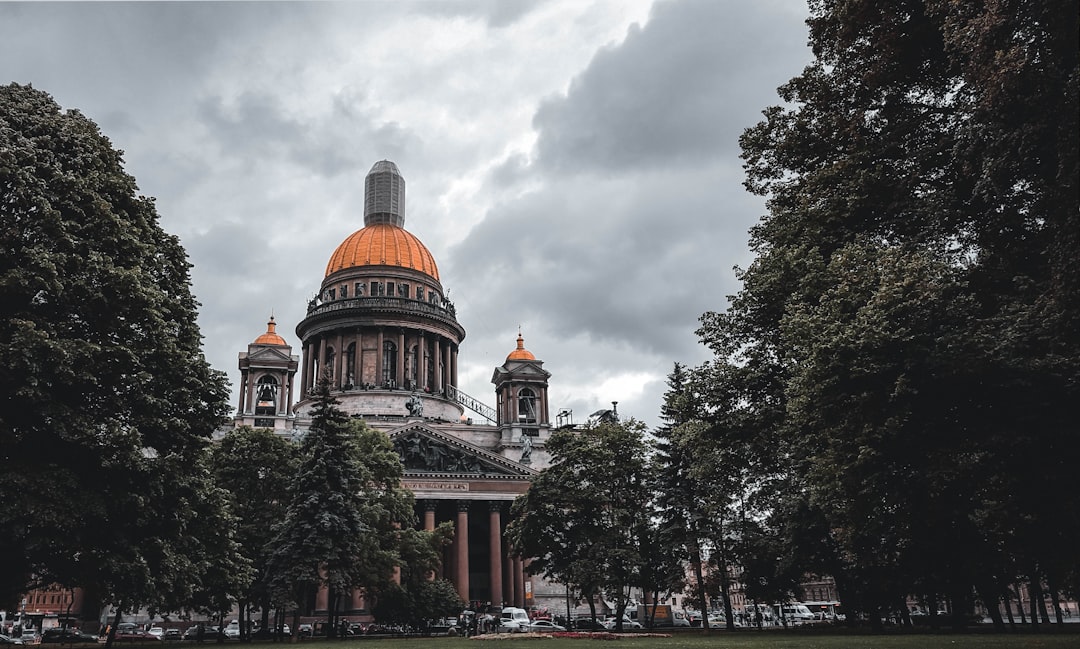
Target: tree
x=420, y=597
x=911, y=313
x=679, y=495
x=585, y=518
x=108, y=400
x=346, y=504
x=254, y=466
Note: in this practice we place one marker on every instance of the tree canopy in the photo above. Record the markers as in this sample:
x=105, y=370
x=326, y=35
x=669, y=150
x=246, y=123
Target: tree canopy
x=584, y=520
x=346, y=505
x=108, y=400
x=907, y=331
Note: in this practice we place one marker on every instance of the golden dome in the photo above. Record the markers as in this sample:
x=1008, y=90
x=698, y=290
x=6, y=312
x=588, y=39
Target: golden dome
x=271, y=336
x=521, y=354
x=382, y=244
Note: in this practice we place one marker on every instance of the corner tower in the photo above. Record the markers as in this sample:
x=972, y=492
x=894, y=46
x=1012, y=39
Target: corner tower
x=267, y=369
x=380, y=326
x=521, y=393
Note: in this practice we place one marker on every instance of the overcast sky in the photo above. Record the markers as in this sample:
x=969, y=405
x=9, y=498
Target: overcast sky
x=572, y=165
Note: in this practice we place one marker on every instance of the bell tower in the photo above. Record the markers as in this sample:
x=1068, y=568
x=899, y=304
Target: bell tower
x=521, y=392
x=267, y=369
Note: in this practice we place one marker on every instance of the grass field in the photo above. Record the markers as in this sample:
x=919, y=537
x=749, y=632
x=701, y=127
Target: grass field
x=723, y=640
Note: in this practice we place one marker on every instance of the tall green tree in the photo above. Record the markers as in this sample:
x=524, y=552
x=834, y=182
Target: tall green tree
x=346, y=505
x=255, y=466
x=912, y=309
x=679, y=495
x=585, y=519
x=107, y=399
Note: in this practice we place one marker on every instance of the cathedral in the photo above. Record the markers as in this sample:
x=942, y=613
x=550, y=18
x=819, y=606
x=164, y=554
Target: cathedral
x=383, y=329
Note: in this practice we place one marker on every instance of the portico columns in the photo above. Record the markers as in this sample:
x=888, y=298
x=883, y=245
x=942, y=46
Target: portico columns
x=462, y=538
x=495, y=552
x=519, y=583
x=429, y=515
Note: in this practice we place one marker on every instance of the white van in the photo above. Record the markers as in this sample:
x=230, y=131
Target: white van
x=796, y=613
x=514, y=619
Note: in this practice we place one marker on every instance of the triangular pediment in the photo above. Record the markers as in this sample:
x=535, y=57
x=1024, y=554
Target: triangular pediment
x=274, y=355
x=426, y=451
x=525, y=371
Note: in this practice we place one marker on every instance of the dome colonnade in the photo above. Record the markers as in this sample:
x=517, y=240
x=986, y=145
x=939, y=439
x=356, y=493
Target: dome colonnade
x=381, y=320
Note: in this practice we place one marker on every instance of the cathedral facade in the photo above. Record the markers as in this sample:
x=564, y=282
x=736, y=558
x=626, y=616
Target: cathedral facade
x=383, y=330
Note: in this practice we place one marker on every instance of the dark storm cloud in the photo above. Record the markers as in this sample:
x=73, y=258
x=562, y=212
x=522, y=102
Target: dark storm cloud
x=93, y=53
x=677, y=91
x=642, y=239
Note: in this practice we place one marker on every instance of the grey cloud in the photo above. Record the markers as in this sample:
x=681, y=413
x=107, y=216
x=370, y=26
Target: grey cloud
x=495, y=13
x=255, y=125
x=678, y=90
x=634, y=261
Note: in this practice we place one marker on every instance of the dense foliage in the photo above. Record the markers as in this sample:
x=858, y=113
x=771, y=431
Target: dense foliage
x=890, y=398
x=584, y=521
x=346, y=505
x=107, y=399
x=908, y=331
x=419, y=597
x=255, y=466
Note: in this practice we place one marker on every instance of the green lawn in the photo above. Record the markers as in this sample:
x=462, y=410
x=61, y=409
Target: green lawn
x=723, y=640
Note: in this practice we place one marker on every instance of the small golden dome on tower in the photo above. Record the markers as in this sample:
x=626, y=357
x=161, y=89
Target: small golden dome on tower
x=521, y=354
x=271, y=336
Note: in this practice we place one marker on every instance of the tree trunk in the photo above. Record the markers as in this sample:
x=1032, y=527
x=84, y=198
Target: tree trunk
x=932, y=604
x=1020, y=605
x=1008, y=610
x=1055, y=600
x=1035, y=594
x=725, y=595
x=695, y=561
x=112, y=631
x=993, y=610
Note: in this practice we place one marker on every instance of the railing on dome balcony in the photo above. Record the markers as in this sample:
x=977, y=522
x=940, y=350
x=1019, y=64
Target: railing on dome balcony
x=444, y=308
x=482, y=409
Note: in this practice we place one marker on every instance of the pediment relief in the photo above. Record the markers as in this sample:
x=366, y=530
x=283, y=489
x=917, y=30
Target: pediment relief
x=425, y=451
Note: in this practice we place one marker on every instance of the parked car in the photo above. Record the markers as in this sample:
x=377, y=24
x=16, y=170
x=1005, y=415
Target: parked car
x=30, y=636
x=8, y=640
x=588, y=624
x=232, y=630
x=172, y=634
x=66, y=636
x=627, y=624
x=510, y=626
x=135, y=635
x=543, y=625
x=156, y=630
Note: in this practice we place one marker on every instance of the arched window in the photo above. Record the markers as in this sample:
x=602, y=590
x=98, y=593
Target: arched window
x=266, y=392
x=526, y=406
x=389, y=363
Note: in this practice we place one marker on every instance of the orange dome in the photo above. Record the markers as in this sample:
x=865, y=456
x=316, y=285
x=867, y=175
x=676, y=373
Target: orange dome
x=382, y=244
x=521, y=354
x=271, y=336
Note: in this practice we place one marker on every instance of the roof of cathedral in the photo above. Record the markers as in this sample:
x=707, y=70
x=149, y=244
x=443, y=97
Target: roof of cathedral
x=520, y=354
x=383, y=241
x=382, y=244
x=271, y=336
